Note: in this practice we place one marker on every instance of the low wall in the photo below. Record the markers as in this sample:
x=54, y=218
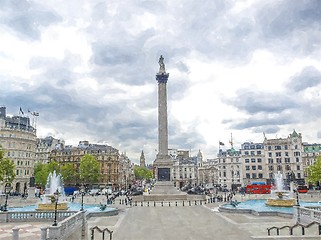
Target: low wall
x=34, y=216
x=250, y=211
x=306, y=215
x=72, y=228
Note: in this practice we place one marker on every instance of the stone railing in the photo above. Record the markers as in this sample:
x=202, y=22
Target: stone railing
x=34, y=216
x=73, y=227
x=306, y=215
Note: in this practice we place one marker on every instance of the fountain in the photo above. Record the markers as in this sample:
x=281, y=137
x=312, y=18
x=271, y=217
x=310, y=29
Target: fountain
x=48, y=202
x=279, y=196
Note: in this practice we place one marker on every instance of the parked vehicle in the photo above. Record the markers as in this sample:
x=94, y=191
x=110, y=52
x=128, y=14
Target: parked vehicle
x=258, y=189
x=303, y=189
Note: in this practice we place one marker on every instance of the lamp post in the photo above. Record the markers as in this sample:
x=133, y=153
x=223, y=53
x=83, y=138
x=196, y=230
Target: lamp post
x=7, y=190
x=56, y=196
x=297, y=197
x=82, y=191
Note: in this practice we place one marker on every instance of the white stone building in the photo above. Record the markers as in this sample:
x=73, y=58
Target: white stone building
x=18, y=139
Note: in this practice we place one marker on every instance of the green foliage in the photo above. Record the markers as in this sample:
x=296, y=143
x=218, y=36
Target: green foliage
x=142, y=173
x=7, y=168
x=89, y=169
x=41, y=172
x=314, y=171
x=69, y=173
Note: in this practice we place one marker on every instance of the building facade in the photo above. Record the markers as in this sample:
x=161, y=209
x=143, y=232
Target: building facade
x=107, y=156
x=18, y=139
x=229, y=168
x=284, y=155
x=254, y=167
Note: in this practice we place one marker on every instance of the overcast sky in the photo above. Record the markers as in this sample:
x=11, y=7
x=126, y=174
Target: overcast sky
x=88, y=68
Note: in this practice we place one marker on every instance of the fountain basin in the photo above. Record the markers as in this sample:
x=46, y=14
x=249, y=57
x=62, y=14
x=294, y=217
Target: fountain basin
x=280, y=202
x=51, y=206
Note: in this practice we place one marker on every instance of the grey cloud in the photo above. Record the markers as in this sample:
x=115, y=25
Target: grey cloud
x=26, y=18
x=266, y=129
x=261, y=121
x=254, y=102
x=307, y=78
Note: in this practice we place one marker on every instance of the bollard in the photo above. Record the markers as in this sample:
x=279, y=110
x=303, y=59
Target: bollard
x=200, y=202
x=15, y=233
x=141, y=204
x=43, y=235
x=154, y=204
x=162, y=204
x=195, y=202
x=190, y=202
x=119, y=201
x=135, y=203
x=176, y=203
x=147, y=204
x=183, y=203
x=169, y=204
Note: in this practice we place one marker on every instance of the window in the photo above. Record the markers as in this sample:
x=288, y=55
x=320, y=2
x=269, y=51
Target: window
x=286, y=154
x=277, y=147
x=247, y=160
x=270, y=154
x=259, y=167
x=246, y=152
x=270, y=160
x=259, y=152
x=260, y=175
x=253, y=160
x=297, y=167
x=259, y=160
x=253, y=175
x=224, y=174
x=248, y=175
x=286, y=147
x=252, y=152
x=247, y=168
x=278, y=154
x=253, y=167
x=296, y=154
x=269, y=148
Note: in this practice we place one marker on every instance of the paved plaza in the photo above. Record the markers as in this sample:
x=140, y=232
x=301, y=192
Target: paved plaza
x=170, y=223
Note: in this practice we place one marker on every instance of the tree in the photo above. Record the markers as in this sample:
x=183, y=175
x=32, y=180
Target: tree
x=314, y=172
x=7, y=168
x=53, y=166
x=89, y=169
x=69, y=174
x=41, y=172
x=142, y=173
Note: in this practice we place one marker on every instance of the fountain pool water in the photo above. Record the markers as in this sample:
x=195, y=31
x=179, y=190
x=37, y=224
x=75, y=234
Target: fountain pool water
x=279, y=196
x=71, y=207
x=260, y=206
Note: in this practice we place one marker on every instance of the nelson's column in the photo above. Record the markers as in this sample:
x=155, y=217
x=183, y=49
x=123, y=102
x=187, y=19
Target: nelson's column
x=163, y=163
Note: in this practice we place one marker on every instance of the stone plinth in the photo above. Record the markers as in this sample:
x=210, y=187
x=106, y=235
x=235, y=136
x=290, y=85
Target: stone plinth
x=164, y=191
